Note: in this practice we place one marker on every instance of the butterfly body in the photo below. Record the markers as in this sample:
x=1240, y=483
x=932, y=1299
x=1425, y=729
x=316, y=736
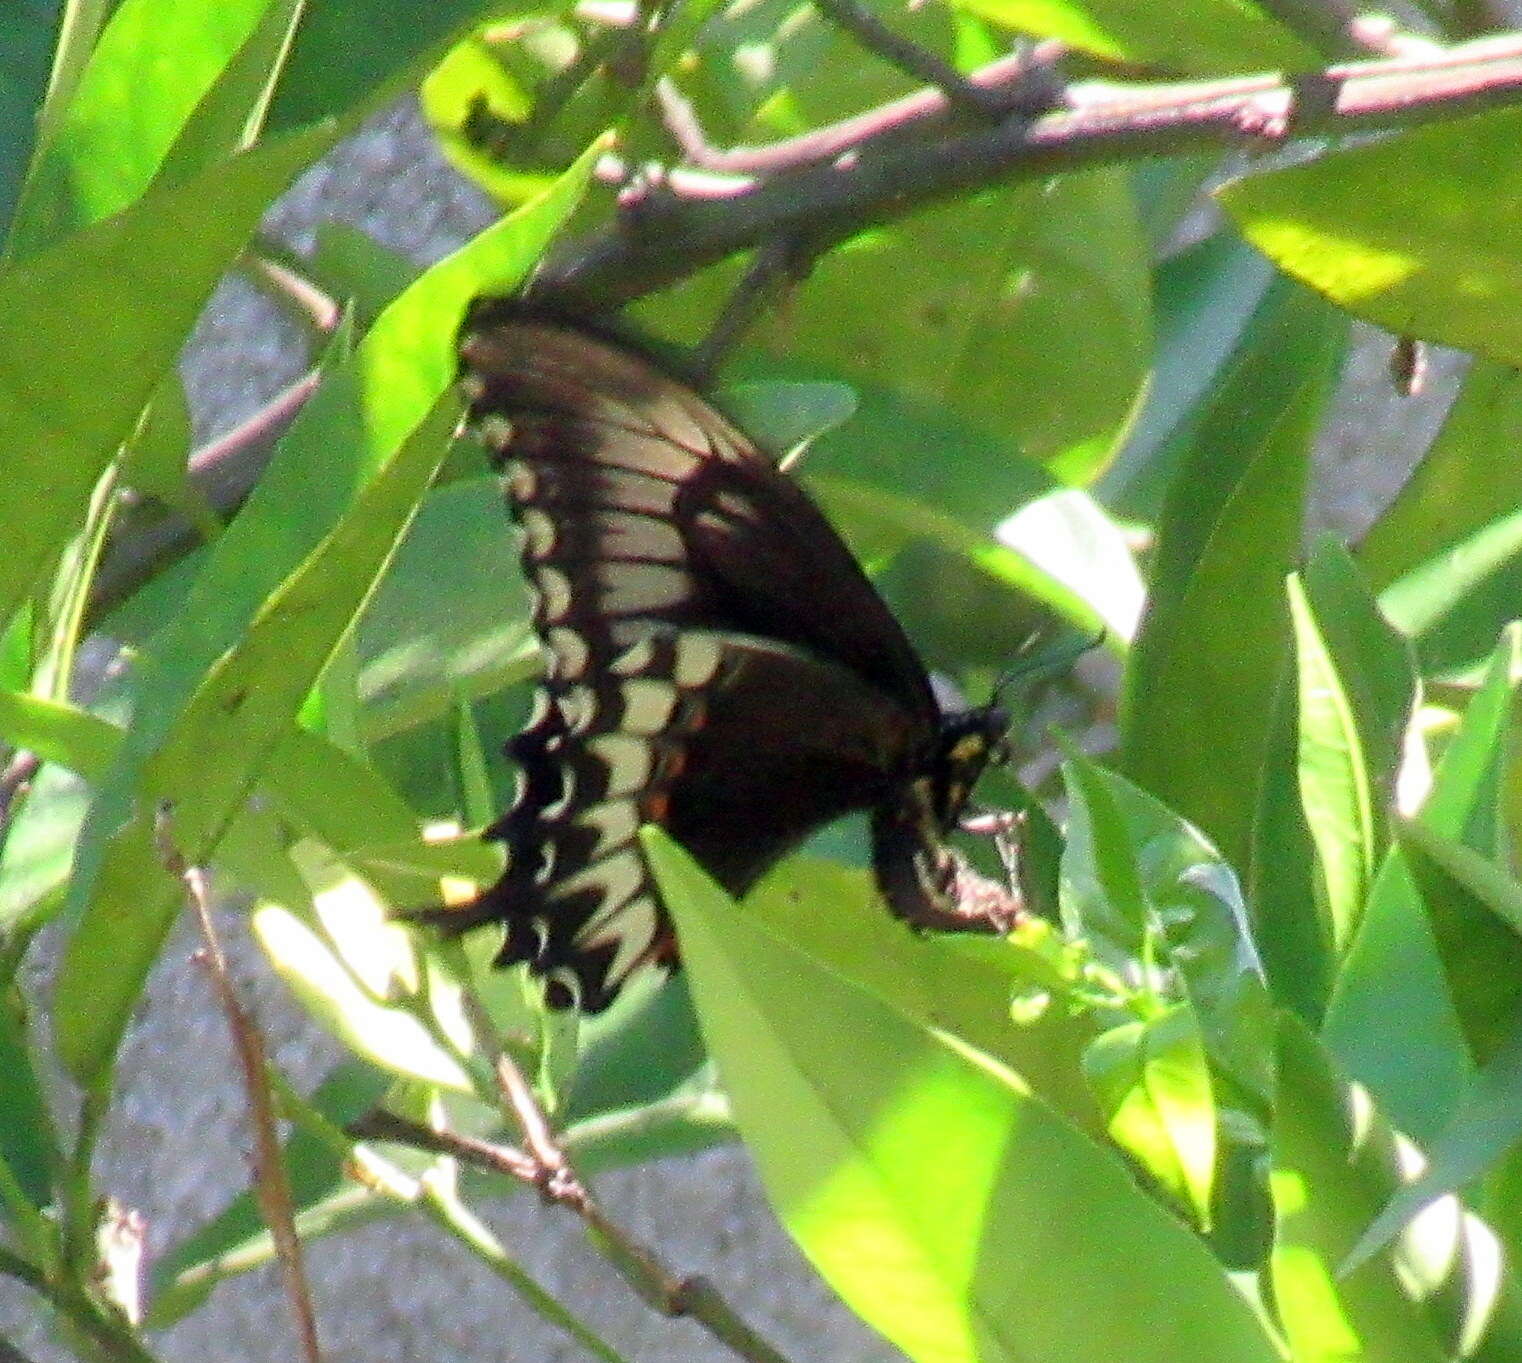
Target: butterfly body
x=716, y=663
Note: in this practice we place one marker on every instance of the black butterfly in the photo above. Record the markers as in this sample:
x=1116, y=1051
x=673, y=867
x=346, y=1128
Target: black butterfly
x=716, y=663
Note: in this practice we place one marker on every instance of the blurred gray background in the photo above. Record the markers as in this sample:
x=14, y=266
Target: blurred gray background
x=397, y=1289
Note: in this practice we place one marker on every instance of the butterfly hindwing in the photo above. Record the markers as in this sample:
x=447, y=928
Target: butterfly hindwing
x=653, y=741
x=716, y=663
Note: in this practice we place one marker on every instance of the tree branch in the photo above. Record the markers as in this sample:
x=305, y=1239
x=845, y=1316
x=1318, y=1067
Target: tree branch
x=147, y=538
x=542, y=1163
x=834, y=181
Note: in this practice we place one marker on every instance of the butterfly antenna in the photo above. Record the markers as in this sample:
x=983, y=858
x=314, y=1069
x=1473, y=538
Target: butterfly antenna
x=1055, y=659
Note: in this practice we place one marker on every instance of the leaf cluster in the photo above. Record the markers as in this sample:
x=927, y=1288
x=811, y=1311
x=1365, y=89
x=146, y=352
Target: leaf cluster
x=1245, y=1087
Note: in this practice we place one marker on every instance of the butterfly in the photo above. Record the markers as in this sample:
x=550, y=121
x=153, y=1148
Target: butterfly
x=716, y=662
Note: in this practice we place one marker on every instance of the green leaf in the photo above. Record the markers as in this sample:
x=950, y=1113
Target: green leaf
x=1356, y=691
x=1134, y=873
x=345, y=263
x=1461, y=486
x=1153, y=1085
x=154, y=461
x=28, y=1154
x=888, y=521
x=1476, y=915
x=471, y=776
x=786, y=418
x=26, y=44
x=1206, y=666
x=116, y=298
x=1415, y=232
x=960, y=985
x=1205, y=36
x=154, y=62
x=1051, y=294
x=1418, y=1072
x=469, y=84
x=215, y=749
x=1292, y=932
x=58, y=733
x=348, y=996
x=432, y=633
x=202, y=740
x=352, y=56
x=1486, y=1125
x=1069, y=538
x=1330, y=1172
x=916, y=1234
x=229, y=116
x=1208, y=300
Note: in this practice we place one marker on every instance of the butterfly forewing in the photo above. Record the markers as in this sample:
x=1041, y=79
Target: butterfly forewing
x=716, y=661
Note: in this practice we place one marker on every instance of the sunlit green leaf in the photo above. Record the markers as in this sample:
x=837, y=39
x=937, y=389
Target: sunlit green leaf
x=1332, y=1167
x=390, y=1037
x=154, y=62
x=116, y=298
x=1154, y=1086
x=241, y=706
x=1415, y=232
x=1204, y=36
x=917, y=1173
x=1356, y=690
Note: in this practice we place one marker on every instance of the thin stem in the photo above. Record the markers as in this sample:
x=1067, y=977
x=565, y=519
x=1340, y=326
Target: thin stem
x=80, y=1211
x=272, y=1188
x=863, y=24
x=779, y=264
x=106, y=1330
x=652, y=1282
x=445, y=1210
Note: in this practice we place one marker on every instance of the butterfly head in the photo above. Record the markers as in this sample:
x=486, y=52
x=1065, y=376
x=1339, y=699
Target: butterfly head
x=969, y=741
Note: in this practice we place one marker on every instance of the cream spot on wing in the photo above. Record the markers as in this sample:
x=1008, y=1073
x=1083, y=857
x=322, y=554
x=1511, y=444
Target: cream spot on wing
x=473, y=386
x=546, y=870
x=629, y=760
x=648, y=705
x=569, y=653
x=579, y=706
x=616, y=822
x=642, y=588
x=519, y=480
x=494, y=429
x=541, y=709
x=538, y=532
x=633, y=929
x=697, y=660
x=617, y=878
x=554, y=593
x=634, y=660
